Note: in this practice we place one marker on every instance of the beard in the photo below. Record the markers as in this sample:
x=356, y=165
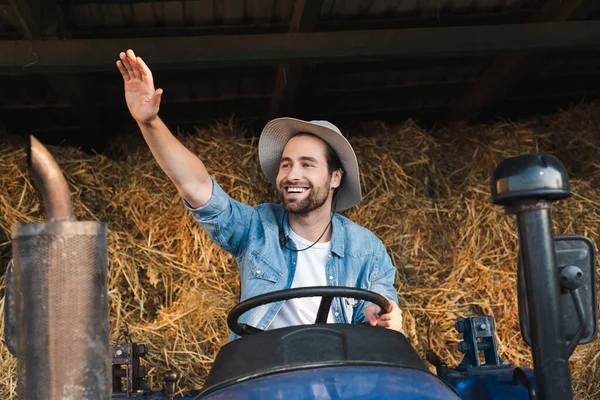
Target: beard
x=316, y=199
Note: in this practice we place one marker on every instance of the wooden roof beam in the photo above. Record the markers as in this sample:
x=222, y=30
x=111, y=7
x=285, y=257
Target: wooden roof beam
x=288, y=78
x=51, y=56
x=507, y=71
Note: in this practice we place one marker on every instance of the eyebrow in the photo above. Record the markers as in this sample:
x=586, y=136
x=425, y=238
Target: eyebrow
x=304, y=158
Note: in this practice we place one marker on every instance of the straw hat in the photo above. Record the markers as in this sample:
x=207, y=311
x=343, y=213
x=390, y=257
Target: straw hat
x=275, y=136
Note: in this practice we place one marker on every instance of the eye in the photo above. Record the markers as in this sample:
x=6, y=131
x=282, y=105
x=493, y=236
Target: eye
x=307, y=165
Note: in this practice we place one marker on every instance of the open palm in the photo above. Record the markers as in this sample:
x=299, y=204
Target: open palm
x=142, y=99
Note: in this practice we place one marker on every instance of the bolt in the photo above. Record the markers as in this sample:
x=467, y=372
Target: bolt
x=142, y=350
x=482, y=326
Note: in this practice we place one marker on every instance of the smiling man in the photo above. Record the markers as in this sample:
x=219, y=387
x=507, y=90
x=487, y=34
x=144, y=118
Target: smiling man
x=302, y=242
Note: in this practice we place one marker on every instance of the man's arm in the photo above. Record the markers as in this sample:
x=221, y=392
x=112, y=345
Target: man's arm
x=224, y=219
x=384, y=285
x=184, y=169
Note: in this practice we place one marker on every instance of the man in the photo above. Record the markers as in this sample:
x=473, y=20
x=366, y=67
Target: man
x=302, y=242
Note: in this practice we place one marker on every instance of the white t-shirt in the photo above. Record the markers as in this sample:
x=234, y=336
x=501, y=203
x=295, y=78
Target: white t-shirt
x=310, y=271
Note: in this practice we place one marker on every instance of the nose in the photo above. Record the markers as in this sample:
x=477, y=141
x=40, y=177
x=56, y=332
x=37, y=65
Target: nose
x=294, y=173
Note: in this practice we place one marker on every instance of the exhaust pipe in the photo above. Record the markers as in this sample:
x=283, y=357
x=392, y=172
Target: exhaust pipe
x=50, y=181
x=56, y=315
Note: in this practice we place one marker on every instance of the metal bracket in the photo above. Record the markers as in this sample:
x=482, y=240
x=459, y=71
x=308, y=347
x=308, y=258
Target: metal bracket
x=127, y=373
x=478, y=335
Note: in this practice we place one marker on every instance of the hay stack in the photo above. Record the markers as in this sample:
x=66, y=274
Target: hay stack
x=426, y=197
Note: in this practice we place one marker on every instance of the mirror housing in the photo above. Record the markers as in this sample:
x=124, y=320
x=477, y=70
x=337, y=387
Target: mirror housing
x=577, y=251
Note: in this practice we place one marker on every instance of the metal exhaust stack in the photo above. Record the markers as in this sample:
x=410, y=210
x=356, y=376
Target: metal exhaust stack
x=50, y=181
x=57, y=296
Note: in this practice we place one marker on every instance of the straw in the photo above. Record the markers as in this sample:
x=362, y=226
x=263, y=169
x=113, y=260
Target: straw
x=426, y=195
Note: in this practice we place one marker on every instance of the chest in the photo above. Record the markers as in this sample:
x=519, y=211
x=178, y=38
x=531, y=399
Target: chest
x=312, y=268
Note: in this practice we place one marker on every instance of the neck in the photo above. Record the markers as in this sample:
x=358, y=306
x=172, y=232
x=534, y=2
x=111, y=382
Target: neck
x=310, y=226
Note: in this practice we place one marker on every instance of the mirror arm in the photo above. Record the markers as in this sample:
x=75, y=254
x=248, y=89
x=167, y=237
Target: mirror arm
x=581, y=315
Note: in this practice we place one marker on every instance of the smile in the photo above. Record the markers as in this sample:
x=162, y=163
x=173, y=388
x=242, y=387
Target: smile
x=296, y=190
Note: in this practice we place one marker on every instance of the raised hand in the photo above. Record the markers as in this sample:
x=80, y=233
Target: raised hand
x=142, y=99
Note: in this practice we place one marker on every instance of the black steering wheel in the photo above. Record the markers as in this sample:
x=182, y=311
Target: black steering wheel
x=327, y=292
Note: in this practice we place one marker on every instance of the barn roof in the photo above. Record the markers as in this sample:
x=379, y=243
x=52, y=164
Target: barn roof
x=342, y=60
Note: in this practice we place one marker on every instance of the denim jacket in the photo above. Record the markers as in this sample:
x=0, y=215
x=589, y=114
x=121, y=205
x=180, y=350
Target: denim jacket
x=252, y=235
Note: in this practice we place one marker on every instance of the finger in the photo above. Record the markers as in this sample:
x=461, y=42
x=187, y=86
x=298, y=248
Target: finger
x=131, y=54
x=145, y=71
x=123, y=71
x=370, y=316
x=156, y=97
x=144, y=68
x=384, y=324
x=385, y=317
x=126, y=64
x=393, y=306
x=134, y=64
x=395, y=311
x=137, y=73
x=376, y=309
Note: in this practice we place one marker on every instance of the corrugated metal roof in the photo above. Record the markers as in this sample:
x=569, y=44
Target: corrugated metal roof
x=83, y=14
x=408, y=8
x=109, y=18
x=177, y=14
x=424, y=89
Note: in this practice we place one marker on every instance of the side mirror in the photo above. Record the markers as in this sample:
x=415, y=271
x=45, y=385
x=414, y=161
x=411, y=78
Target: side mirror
x=575, y=260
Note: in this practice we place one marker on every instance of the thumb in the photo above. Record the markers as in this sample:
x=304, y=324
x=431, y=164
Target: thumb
x=371, y=313
x=156, y=97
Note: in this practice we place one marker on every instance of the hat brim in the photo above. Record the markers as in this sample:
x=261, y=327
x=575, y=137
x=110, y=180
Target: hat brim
x=278, y=132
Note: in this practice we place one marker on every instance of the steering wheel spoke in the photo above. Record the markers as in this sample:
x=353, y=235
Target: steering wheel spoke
x=324, y=308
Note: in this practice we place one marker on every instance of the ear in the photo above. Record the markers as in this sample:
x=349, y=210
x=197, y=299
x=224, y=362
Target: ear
x=336, y=178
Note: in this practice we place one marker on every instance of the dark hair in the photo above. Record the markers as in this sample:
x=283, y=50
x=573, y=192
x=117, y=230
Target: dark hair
x=333, y=161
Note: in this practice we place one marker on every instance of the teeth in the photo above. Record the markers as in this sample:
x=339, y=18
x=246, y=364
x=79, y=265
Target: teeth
x=296, y=190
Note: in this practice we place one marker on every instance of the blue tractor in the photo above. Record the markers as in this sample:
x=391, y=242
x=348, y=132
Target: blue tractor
x=557, y=311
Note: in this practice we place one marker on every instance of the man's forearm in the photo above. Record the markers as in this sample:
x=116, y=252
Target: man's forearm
x=185, y=169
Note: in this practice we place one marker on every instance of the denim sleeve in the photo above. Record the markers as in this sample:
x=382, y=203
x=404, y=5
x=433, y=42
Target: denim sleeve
x=226, y=221
x=382, y=281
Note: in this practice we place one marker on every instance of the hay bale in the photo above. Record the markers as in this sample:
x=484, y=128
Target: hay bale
x=426, y=197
